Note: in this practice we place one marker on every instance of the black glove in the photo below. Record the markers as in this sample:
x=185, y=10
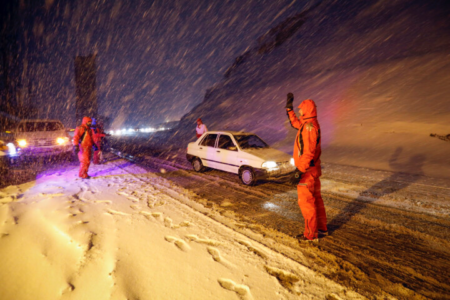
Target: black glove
x=76, y=149
x=296, y=176
x=289, y=101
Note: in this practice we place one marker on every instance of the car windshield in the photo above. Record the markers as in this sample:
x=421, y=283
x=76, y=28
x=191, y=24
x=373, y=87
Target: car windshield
x=40, y=126
x=250, y=142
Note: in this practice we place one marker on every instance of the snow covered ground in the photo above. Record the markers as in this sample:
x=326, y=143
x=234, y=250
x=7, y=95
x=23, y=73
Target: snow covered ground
x=125, y=235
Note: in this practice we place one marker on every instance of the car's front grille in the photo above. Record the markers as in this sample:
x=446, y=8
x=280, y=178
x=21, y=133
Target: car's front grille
x=285, y=165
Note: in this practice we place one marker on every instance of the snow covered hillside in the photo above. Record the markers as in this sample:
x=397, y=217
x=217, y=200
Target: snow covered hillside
x=378, y=70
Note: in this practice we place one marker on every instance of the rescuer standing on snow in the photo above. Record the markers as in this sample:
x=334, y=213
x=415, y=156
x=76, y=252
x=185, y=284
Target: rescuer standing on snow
x=307, y=150
x=82, y=146
x=201, y=128
x=97, y=134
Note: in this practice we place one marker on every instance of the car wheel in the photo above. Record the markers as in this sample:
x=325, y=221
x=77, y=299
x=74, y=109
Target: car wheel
x=247, y=176
x=197, y=165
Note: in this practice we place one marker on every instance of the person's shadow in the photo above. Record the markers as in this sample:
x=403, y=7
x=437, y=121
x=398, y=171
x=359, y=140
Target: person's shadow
x=392, y=184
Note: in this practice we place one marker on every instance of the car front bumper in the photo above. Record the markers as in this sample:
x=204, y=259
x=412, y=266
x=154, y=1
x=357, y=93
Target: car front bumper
x=44, y=151
x=274, y=174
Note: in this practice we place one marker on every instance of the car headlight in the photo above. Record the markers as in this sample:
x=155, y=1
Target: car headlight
x=62, y=140
x=22, y=143
x=292, y=162
x=12, y=149
x=269, y=165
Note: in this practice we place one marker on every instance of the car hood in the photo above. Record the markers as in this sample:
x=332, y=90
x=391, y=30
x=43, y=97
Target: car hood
x=41, y=134
x=269, y=154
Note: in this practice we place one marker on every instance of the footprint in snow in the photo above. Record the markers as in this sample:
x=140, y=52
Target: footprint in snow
x=182, y=245
x=153, y=203
x=288, y=280
x=215, y=253
x=115, y=212
x=122, y=194
x=240, y=289
x=156, y=215
x=103, y=201
x=209, y=242
x=168, y=222
x=250, y=247
x=51, y=195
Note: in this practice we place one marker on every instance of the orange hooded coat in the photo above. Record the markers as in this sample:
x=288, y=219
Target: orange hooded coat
x=307, y=151
x=83, y=138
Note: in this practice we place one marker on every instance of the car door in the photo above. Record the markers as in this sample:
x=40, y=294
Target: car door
x=227, y=154
x=207, y=151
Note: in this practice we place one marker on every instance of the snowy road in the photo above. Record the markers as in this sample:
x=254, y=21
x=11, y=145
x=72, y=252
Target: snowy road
x=390, y=232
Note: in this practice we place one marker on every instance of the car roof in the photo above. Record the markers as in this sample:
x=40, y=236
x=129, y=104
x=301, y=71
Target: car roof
x=231, y=132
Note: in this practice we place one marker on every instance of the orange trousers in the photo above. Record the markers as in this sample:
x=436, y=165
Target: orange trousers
x=84, y=156
x=311, y=204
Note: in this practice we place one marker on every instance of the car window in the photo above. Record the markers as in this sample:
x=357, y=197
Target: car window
x=40, y=126
x=225, y=142
x=250, y=141
x=209, y=140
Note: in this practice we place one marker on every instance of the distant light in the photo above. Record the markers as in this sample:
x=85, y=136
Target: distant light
x=129, y=129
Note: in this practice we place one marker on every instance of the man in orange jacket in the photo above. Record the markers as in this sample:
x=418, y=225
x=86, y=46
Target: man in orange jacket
x=97, y=134
x=307, y=150
x=82, y=145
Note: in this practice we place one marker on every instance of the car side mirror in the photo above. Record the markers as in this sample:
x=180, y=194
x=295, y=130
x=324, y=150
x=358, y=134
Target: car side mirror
x=232, y=148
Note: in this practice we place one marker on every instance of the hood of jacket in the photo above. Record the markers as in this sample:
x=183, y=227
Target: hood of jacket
x=86, y=120
x=309, y=109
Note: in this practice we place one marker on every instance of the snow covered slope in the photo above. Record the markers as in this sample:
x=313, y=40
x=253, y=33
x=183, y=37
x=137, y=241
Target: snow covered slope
x=379, y=72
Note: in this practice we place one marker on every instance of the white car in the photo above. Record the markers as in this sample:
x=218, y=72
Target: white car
x=240, y=153
x=41, y=137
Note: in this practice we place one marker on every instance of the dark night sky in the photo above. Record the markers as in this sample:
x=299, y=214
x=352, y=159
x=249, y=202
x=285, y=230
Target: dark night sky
x=155, y=59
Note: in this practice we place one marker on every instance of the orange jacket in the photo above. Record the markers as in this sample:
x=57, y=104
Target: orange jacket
x=83, y=135
x=98, y=134
x=307, y=146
